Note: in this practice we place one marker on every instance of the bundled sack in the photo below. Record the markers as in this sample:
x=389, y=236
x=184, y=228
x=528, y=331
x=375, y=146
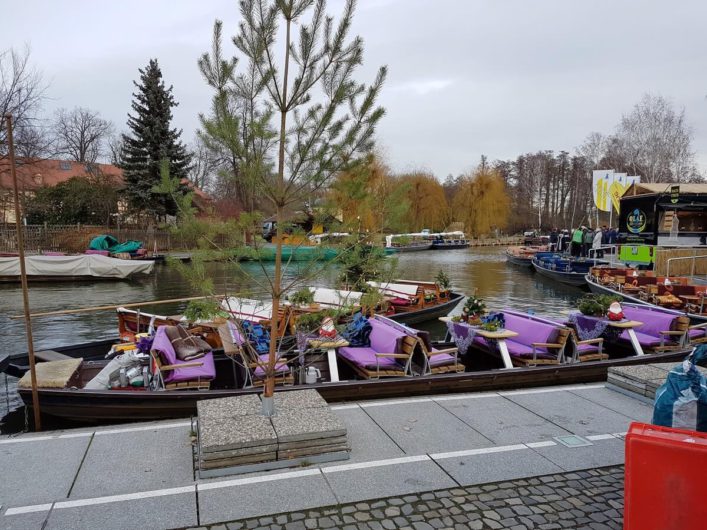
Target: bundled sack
x=187, y=347
x=681, y=401
x=358, y=332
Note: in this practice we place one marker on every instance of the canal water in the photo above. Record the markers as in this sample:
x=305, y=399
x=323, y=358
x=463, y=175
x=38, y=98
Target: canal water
x=481, y=270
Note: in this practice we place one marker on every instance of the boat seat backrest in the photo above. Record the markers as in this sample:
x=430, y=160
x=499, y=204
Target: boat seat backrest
x=677, y=290
x=163, y=346
x=653, y=321
x=384, y=338
x=530, y=331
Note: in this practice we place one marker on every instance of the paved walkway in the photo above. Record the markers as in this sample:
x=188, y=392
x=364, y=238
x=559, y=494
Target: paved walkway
x=143, y=475
x=590, y=499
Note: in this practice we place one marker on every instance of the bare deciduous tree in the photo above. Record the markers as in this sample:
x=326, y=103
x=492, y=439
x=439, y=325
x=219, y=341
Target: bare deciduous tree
x=205, y=164
x=21, y=94
x=115, y=148
x=656, y=141
x=81, y=134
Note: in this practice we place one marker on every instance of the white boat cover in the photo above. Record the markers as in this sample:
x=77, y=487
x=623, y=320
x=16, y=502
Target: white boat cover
x=85, y=265
x=336, y=297
x=399, y=290
x=247, y=309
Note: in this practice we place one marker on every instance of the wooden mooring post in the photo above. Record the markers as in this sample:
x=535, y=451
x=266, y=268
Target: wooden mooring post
x=23, y=275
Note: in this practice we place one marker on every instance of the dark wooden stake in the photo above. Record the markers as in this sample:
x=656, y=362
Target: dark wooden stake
x=23, y=275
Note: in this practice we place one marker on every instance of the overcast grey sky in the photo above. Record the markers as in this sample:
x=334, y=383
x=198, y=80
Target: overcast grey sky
x=466, y=77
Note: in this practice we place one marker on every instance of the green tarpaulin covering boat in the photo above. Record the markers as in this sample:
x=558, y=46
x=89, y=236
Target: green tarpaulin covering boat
x=112, y=245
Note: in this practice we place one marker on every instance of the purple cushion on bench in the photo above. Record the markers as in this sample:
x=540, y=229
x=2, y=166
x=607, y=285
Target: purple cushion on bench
x=440, y=359
x=517, y=349
x=385, y=338
x=366, y=358
x=654, y=321
x=280, y=367
x=696, y=333
x=587, y=347
x=648, y=341
x=163, y=347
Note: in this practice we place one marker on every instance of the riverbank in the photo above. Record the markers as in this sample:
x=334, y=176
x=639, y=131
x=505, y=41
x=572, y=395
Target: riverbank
x=143, y=474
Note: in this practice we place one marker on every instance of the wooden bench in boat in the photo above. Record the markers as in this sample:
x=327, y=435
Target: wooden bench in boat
x=50, y=355
x=389, y=354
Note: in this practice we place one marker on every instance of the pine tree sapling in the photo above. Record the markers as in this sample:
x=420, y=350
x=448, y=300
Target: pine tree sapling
x=150, y=141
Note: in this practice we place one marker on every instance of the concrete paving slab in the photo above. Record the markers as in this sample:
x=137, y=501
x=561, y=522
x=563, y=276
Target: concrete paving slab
x=243, y=431
x=135, y=461
x=41, y=471
x=573, y=413
x=426, y=427
x=368, y=441
x=309, y=424
x=229, y=407
x=496, y=467
x=298, y=400
x=263, y=498
x=503, y=421
x=24, y=521
x=628, y=406
x=397, y=479
x=170, y=511
x=601, y=453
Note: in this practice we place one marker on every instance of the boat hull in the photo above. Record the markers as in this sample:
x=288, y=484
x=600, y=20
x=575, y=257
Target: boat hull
x=520, y=262
x=449, y=246
x=576, y=279
x=113, y=405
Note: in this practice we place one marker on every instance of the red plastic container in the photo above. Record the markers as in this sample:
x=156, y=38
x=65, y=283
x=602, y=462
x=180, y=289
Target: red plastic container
x=665, y=484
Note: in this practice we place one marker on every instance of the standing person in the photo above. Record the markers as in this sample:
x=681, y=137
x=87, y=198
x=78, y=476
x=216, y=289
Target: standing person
x=577, y=241
x=612, y=235
x=596, y=244
x=553, y=240
x=587, y=240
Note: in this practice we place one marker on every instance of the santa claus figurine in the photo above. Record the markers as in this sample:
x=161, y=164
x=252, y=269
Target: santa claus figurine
x=615, y=312
x=327, y=328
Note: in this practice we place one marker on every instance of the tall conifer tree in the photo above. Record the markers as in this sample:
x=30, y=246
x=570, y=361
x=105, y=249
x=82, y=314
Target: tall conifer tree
x=150, y=141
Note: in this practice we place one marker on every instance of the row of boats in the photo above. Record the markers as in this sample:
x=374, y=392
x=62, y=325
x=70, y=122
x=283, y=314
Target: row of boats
x=228, y=357
x=681, y=294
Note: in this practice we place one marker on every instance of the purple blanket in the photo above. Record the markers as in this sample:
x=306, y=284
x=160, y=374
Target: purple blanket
x=592, y=327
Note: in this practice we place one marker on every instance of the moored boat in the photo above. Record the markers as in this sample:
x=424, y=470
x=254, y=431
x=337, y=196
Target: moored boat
x=679, y=294
x=414, y=246
x=416, y=369
x=523, y=256
x=570, y=271
x=72, y=268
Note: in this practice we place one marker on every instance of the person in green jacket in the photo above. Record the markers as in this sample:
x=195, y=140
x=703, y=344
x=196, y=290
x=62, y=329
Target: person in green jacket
x=577, y=238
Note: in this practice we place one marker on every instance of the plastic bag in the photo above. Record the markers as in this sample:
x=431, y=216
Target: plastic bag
x=681, y=401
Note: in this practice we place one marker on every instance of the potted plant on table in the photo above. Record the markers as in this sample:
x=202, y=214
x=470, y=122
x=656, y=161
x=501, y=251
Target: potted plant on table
x=474, y=309
x=303, y=298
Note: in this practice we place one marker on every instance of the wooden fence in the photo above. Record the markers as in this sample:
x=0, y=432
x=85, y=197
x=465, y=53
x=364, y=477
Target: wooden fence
x=75, y=238
x=695, y=262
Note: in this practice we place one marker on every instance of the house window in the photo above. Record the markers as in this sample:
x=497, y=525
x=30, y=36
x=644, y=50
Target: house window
x=64, y=165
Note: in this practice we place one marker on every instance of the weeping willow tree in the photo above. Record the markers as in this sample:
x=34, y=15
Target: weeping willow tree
x=289, y=114
x=428, y=203
x=368, y=198
x=482, y=202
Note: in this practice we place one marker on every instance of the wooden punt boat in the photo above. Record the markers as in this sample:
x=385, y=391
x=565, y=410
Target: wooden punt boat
x=522, y=256
x=691, y=310
x=119, y=405
x=564, y=270
x=131, y=322
x=547, y=367
x=412, y=247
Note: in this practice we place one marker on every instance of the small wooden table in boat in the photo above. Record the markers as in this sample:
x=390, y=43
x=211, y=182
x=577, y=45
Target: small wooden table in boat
x=629, y=326
x=693, y=299
x=330, y=347
x=498, y=336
